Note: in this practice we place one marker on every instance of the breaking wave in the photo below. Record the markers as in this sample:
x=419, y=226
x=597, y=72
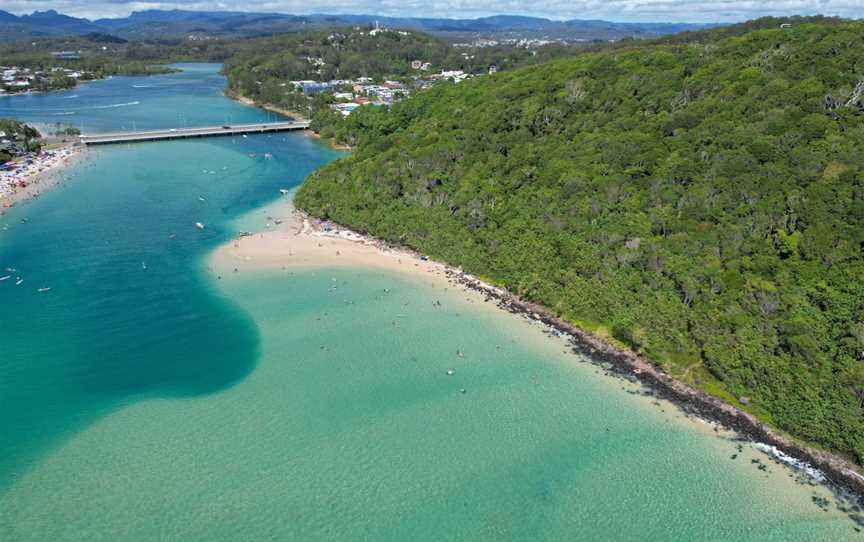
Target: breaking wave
x=802, y=466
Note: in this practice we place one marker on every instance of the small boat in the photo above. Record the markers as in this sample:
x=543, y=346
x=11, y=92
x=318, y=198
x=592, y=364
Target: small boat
x=449, y=372
x=143, y=266
x=284, y=191
x=199, y=225
x=40, y=290
x=7, y=277
x=245, y=136
x=19, y=281
x=172, y=236
x=201, y=198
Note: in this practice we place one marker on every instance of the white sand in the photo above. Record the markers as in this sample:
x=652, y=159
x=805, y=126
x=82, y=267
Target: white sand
x=39, y=175
x=298, y=243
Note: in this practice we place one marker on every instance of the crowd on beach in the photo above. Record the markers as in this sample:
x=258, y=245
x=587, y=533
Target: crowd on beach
x=28, y=170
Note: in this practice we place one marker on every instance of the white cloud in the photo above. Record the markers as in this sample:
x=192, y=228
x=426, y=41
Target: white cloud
x=618, y=10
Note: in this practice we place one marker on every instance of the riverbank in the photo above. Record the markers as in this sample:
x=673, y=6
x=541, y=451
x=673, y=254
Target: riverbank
x=33, y=175
x=293, y=239
x=290, y=114
x=266, y=107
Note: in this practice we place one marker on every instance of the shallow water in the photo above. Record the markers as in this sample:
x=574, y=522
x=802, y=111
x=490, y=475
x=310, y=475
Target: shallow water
x=144, y=399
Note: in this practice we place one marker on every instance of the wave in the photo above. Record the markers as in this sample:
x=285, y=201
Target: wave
x=116, y=105
x=63, y=113
x=797, y=464
x=142, y=86
x=70, y=97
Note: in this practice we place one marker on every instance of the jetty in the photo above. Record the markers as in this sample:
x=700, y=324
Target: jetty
x=183, y=133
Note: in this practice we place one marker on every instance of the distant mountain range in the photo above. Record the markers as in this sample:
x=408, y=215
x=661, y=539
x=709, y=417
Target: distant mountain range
x=152, y=24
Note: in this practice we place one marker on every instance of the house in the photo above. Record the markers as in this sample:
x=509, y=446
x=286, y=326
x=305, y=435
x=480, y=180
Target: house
x=345, y=109
x=416, y=64
x=66, y=55
x=314, y=88
x=493, y=69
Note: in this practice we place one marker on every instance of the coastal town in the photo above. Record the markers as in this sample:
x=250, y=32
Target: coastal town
x=348, y=95
x=20, y=79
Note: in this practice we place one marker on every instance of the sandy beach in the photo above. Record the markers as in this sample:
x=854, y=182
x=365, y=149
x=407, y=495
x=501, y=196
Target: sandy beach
x=36, y=174
x=267, y=107
x=293, y=240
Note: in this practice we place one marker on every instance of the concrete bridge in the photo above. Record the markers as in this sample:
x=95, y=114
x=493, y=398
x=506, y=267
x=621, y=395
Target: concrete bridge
x=182, y=133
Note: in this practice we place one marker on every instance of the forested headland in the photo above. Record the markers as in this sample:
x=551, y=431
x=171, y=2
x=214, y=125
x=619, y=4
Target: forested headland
x=701, y=202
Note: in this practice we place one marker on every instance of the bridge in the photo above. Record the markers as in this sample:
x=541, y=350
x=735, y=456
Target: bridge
x=183, y=133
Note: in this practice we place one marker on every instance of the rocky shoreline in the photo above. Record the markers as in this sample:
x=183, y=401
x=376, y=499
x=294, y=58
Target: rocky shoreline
x=838, y=473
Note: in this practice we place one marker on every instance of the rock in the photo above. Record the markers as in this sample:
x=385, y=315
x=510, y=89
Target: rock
x=744, y=400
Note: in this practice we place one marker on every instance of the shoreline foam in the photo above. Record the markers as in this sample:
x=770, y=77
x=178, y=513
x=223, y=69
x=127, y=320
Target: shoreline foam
x=294, y=239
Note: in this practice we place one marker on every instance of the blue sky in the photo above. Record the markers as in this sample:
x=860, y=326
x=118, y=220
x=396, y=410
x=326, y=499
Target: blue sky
x=617, y=10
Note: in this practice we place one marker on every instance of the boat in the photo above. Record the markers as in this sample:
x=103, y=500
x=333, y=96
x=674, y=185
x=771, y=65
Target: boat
x=40, y=290
x=199, y=225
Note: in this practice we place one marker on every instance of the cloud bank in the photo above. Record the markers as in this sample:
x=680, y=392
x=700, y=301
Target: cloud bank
x=616, y=10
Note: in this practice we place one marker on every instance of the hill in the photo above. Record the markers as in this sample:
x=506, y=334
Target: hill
x=700, y=202
x=171, y=24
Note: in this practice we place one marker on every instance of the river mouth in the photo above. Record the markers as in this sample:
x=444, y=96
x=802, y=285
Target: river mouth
x=144, y=397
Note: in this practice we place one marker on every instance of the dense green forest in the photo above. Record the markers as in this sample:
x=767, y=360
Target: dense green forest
x=701, y=202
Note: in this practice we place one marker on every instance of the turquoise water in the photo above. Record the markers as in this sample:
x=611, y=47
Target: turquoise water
x=161, y=403
x=191, y=98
